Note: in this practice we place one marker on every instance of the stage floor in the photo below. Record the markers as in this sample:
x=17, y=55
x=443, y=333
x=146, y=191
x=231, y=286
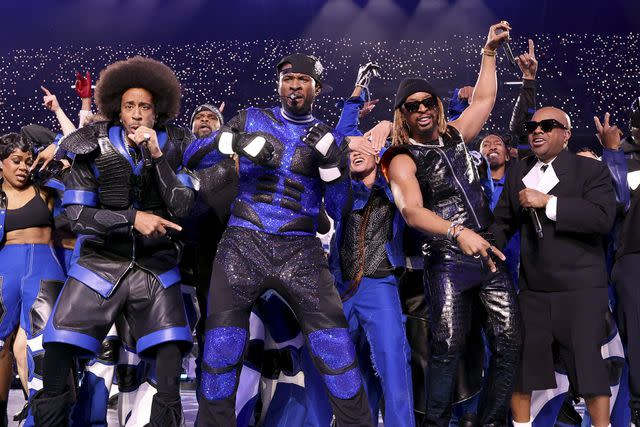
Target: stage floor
x=190, y=406
x=189, y=403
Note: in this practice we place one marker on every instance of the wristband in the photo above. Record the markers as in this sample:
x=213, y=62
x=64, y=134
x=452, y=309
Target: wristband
x=488, y=52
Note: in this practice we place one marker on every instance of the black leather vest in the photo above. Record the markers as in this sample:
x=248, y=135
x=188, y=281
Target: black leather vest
x=379, y=230
x=449, y=181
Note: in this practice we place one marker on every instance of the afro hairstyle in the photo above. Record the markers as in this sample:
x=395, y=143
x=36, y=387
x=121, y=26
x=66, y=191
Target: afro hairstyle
x=139, y=72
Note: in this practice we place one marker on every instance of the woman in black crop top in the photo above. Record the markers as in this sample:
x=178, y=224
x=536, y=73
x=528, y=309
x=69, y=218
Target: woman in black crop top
x=30, y=275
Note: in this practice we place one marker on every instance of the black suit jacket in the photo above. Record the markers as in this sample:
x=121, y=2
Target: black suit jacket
x=571, y=255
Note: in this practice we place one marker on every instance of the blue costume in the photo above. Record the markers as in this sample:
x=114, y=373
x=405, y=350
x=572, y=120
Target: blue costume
x=373, y=307
x=270, y=243
x=115, y=266
x=31, y=279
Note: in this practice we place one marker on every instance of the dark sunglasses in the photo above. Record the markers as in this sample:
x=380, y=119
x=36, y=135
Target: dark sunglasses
x=414, y=106
x=547, y=125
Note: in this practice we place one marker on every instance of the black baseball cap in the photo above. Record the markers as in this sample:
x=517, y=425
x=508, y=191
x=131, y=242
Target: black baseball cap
x=304, y=64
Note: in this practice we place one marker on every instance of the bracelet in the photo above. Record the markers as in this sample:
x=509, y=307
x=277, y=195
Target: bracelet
x=488, y=52
x=460, y=230
x=451, y=230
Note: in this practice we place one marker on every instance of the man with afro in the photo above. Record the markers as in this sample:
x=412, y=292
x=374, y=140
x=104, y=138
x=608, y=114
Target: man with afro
x=124, y=195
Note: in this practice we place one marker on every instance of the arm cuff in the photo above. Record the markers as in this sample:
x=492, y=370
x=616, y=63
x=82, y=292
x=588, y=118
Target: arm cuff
x=80, y=197
x=552, y=208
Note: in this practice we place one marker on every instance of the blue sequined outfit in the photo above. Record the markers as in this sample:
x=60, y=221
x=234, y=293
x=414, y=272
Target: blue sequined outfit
x=270, y=244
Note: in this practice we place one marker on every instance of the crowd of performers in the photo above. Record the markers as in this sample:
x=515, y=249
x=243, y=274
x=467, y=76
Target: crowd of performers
x=456, y=286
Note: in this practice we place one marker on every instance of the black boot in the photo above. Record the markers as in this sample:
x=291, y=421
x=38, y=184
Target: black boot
x=568, y=415
x=467, y=420
x=166, y=414
x=4, y=419
x=635, y=417
x=51, y=411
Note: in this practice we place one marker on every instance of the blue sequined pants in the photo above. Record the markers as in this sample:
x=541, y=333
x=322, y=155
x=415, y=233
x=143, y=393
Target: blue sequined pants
x=454, y=284
x=246, y=265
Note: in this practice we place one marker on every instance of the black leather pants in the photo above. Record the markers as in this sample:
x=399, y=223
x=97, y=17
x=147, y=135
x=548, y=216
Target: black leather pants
x=455, y=283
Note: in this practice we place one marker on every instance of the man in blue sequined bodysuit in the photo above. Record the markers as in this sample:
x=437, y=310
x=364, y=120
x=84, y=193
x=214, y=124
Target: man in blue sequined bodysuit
x=289, y=161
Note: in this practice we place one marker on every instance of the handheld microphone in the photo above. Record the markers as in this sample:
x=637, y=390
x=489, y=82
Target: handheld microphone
x=536, y=222
x=507, y=50
x=292, y=97
x=509, y=53
x=144, y=150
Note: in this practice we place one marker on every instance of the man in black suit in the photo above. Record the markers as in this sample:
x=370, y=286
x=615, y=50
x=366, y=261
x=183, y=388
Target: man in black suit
x=563, y=279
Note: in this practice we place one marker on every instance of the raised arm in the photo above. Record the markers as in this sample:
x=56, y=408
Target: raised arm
x=475, y=116
x=51, y=103
x=527, y=97
x=83, y=89
x=613, y=157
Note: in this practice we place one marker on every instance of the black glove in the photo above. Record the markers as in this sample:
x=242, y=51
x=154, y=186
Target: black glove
x=332, y=158
x=250, y=145
x=365, y=73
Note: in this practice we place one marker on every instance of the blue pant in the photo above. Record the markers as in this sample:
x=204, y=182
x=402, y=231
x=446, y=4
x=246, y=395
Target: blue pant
x=375, y=310
x=31, y=279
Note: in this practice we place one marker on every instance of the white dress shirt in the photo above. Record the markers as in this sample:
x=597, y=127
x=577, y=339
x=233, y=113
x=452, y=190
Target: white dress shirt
x=544, y=179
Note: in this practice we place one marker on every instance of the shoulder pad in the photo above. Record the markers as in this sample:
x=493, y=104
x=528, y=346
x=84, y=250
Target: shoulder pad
x=83, y=140
x=40, y=136
x=177, y=133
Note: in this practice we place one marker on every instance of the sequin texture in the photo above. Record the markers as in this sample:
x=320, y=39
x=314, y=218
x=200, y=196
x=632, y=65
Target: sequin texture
x=333, y=346
x=218, y=386
x=224, y=346
x=344, y=386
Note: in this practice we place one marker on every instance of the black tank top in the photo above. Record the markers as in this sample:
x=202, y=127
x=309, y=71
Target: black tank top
x=35, y=213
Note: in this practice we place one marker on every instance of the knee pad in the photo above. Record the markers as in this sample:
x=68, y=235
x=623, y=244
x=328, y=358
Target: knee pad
x=109, y=351
x=224, y=347
x=334, y=353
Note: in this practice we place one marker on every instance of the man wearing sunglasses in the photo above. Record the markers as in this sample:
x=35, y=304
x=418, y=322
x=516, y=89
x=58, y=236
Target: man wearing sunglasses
x=437, y=189
x=563, y=281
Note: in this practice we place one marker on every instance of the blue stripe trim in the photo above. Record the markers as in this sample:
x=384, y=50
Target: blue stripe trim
x=91, y=280
x=176, y=333
x=77, y=339
x=80, y=197
x=54, y=183
x=57, y=139
x=86, y=342
x=185, y=180
x=170, y=277
x=115, y=137
x=162, y=138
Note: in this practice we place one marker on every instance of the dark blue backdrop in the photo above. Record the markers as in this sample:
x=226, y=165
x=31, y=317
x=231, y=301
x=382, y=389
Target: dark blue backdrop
x=589, y=53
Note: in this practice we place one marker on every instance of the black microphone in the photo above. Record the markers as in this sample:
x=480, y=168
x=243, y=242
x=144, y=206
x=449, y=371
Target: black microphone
x=536, y=222
x=146, y=154
x=507, y=50
x=509, y=53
